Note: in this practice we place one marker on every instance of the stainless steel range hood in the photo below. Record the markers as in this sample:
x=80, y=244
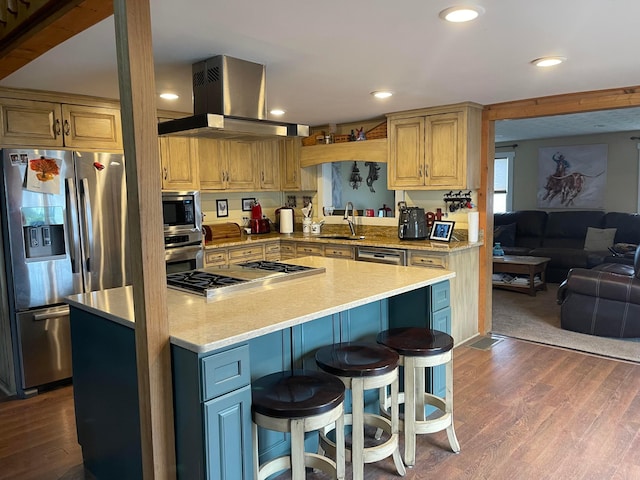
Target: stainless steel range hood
x=229, y=101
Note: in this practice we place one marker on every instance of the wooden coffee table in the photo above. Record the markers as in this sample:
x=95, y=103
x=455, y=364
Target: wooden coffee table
x=524, y=266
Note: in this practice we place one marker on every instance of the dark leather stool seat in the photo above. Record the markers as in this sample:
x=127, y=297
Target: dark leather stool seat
x=364, y=366
x=298, y=401
x=422, y=348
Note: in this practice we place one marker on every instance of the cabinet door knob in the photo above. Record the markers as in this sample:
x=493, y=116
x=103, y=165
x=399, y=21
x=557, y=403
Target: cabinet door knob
x=58, y=129
x=165, y=172
x=67, y=128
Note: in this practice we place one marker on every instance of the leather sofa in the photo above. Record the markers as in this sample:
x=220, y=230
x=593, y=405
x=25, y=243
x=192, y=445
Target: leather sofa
x=602, y=301
x=561, y=236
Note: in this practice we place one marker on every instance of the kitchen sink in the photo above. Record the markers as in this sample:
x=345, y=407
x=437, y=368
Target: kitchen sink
x=342, y=237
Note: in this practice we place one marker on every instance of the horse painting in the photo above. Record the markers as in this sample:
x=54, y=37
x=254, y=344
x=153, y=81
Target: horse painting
x=566, y=185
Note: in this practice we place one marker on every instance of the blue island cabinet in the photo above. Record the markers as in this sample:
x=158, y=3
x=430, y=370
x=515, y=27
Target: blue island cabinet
x=212, y=390
x=212, y=399
x=428, y=307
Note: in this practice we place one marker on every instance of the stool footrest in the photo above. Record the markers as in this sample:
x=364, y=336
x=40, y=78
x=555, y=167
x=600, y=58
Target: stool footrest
x=371, y=454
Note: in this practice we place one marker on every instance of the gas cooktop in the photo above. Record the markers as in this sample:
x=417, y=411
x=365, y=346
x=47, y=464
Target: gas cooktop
x=213, y=281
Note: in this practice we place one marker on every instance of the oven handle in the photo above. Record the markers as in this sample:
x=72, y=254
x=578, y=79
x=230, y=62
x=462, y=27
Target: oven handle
x=182, y=253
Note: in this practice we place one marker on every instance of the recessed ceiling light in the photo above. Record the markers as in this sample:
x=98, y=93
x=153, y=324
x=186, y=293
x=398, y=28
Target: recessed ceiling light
x=382, y=93
x=169, y=96
x=461, y=13
x=548, y=61
x=277, y=112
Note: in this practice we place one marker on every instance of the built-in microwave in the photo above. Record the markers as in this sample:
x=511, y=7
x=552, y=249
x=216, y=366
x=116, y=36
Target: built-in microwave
x=182, y=214
x=181, y=211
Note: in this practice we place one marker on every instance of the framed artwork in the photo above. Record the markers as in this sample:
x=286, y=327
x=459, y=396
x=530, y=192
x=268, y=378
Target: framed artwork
x=441, y=230
x=572, y=176
x=222, y=207
x=246, y=204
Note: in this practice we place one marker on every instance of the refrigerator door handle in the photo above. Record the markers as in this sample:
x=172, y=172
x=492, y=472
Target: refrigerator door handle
x=59, y=312
x=88, y=221
x=72, y=223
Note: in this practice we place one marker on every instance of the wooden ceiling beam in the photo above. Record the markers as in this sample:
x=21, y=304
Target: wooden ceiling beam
x=38, y=26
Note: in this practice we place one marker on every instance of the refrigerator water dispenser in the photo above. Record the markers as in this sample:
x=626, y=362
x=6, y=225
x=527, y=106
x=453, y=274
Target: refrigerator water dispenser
x=44, y=241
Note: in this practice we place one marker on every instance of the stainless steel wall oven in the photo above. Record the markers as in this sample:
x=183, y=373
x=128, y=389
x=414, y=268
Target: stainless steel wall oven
x=182, y=218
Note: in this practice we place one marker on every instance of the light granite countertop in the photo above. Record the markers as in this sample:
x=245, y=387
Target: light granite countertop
x=370, y=240
x=202, y=325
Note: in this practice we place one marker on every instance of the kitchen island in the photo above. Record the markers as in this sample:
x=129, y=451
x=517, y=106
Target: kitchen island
x=218, y=346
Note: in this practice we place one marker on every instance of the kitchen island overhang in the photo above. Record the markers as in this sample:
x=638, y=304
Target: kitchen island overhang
x=219, y=346
x=202, y=325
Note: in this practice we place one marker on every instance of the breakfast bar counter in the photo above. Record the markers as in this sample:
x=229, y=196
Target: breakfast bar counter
x=220, y=345
x=203, y=325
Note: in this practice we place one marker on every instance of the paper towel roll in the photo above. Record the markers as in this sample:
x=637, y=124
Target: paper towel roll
x=473, y=218
x=286, y=220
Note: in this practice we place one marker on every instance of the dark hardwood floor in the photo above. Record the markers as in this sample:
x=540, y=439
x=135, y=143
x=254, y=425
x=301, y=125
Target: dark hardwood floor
x=522, y=411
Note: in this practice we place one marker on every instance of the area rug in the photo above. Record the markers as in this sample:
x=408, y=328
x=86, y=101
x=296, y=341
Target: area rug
x=537, y=319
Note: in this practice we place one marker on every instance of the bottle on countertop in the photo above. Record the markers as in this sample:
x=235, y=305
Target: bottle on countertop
x=352, y=136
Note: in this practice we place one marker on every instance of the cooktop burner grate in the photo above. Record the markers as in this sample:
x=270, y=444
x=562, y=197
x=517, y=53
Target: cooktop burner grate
x=198, y=281
x=275, y=266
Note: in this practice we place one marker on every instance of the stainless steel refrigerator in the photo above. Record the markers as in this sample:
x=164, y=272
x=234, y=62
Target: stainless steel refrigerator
x=64, y=230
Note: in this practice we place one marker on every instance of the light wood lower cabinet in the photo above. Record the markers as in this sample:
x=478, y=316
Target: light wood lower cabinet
x=216, y=257
x=272, y=251
x=49, y=124
x=287, y=250
x=309, y=249
x=421, y=258
x=246, y=254
x=464, y=286
x=339, y=251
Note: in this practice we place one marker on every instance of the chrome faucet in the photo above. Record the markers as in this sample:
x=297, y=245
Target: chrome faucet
x=349, y=220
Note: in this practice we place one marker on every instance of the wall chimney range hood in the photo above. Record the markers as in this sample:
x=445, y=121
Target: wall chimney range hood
x=229, y=101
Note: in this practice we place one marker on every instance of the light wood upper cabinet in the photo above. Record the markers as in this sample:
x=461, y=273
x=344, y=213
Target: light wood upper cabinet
x=180, y=170
x=434, y=149
x=211, y=156
x=91, y=127
x=225, y=164
x=49, y=124
x=293, y=177
x=241, y=167
x=268, y=165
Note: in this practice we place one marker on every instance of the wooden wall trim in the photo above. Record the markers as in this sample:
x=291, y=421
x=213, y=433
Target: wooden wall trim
x=563, y=104
x=578, y=102
x=49, y=24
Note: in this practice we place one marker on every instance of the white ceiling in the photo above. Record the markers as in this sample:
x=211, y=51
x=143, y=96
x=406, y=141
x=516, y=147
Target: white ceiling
x=324, y=58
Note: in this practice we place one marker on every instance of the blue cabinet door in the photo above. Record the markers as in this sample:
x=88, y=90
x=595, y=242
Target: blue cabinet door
x=442, y=322
x=271, y=353
x=229, y=453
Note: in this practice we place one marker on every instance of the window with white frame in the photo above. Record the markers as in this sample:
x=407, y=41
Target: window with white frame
x=503, y=182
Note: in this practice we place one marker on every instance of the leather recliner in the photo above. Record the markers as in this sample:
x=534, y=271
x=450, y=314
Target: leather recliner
x=602, y=301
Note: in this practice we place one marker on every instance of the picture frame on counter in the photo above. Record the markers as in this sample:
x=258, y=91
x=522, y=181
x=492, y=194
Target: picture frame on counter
x=222, y=207
x=247, y=203
x=441, y=230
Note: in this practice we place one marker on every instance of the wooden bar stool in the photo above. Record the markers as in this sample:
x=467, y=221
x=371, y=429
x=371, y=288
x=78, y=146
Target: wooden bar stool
x=422, y=348
x=297, y=402
x=364, y=366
